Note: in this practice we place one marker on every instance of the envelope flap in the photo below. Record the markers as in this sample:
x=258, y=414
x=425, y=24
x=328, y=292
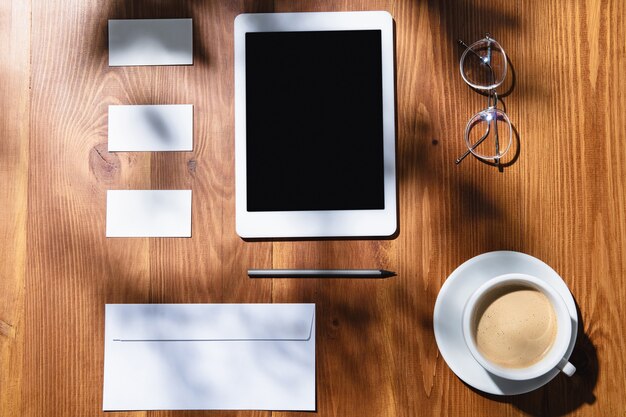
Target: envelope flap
x=217, y=322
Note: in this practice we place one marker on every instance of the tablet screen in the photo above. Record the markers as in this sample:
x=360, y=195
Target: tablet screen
x=314, y=121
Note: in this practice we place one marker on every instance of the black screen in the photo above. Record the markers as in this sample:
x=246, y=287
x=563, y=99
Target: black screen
x=314, y=121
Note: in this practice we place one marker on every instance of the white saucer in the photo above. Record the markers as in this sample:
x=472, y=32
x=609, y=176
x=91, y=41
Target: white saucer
x=449, y=308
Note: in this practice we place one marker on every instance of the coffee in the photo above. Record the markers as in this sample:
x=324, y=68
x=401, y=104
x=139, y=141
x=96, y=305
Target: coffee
x=515, y=326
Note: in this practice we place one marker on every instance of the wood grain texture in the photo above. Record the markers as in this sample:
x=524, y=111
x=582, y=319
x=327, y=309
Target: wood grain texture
x=562, y=199
x=14, y=146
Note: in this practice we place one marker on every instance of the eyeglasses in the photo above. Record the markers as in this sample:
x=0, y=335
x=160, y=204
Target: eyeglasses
x=488, y=134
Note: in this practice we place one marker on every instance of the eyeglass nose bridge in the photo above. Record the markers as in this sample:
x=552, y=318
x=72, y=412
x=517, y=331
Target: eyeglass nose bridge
x=492, y=99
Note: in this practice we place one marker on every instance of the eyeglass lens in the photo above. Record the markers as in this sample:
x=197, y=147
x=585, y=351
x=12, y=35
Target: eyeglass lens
x=488, y=134
x=484, y=64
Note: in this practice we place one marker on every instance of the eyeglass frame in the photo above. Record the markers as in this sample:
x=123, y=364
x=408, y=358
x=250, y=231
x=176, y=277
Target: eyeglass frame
x=492, y=101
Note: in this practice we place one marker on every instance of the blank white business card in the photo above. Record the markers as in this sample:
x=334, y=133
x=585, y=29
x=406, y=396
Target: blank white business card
x=149, y=128
x=148, y=213
x=150, y=42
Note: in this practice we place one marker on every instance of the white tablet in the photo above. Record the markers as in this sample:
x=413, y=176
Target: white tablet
x=315, y=125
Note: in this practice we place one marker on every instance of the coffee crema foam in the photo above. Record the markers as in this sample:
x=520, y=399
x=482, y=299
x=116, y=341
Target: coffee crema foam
x=514, y=326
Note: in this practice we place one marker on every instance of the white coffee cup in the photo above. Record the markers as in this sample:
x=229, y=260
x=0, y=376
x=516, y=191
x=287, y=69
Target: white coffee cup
x=554, y=358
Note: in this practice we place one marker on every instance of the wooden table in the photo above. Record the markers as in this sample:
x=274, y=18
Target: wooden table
x=563, y=200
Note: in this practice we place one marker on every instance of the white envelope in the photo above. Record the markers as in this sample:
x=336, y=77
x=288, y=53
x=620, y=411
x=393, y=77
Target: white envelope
x=209, y=356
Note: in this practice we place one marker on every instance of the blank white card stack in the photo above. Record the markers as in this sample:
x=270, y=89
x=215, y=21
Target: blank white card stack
x=150, y=42
x=148, y=213
x=150, y=128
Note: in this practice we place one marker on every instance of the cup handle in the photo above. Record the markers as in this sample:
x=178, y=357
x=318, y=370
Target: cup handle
x=566, y=367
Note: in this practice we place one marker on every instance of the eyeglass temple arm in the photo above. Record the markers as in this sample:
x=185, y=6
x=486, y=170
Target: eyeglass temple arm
x=497, y=140
x=495, y=101
x=474, y=146
x=494, y=119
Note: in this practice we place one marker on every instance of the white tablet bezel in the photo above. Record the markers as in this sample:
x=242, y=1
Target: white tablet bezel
x=330, y=223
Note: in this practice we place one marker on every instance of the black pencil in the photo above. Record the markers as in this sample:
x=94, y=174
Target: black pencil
x=319, y=273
